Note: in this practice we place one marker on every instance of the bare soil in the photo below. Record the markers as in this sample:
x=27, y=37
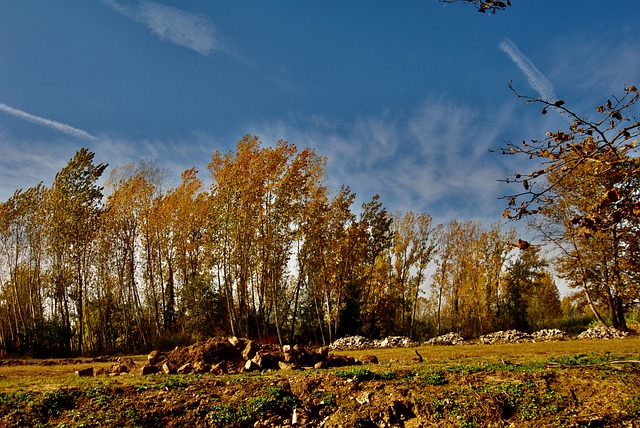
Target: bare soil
x=575, y=383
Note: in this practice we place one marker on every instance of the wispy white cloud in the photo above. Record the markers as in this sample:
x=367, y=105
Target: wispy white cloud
x=184, y=29
x=594, y=67
x=58, y=126
x=434, y=159
x=536, y=79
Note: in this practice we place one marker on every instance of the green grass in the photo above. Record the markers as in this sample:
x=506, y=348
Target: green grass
x=272, y=400
x=360, y=374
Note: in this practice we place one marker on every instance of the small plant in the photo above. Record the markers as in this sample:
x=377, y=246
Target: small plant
x=327, y=399
x=171, y=382
x=223, y=414
x=434, y=379
x=361, y=374
x=275, y=400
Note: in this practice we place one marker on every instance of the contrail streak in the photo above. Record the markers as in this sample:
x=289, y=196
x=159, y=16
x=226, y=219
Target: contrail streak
x=190, y=31
x=536, y=79
x=58, y=126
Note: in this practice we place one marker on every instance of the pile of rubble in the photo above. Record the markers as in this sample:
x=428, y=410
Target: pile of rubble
x=602, y=333
x=447, y=339
x=234, y=355
x=360, y=342
x=508, y=336
x=394, y=342
x=352, y=342
x=548, y=335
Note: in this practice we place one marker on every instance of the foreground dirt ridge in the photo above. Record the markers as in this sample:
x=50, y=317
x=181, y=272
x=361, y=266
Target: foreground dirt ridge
x=231, y=382
x=586, y=394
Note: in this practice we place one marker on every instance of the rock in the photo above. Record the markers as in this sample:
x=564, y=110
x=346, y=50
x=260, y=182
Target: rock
x=147, y=370
x=368, y=359
x=168, y=369
x=250, y=366
x=286, y=366
x=320, y=365
x=185, y=369
x=234, y=341
x=323, y=351
x=257, y=359
x=155, y=357
x=364, y=397
x=219, y=368
x=119, y=368
x=201, y=367
x=340, y=361
x=250, y=350
x=88, y=372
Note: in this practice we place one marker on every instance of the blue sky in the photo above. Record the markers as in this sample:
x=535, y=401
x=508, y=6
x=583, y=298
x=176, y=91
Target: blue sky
x=404, y=100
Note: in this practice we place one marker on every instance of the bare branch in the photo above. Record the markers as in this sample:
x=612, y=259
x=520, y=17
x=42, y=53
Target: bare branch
x=483, y=6
x=602, y=143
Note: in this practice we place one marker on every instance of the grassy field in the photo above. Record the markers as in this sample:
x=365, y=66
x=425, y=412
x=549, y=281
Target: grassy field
x=573, y=383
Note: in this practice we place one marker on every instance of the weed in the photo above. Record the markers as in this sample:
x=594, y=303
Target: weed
x=223, y=414
x=275, y=400
x=361, y=374
x=327, y=399
x=465, y=369
x=434, y=379
x=523, y=399
x=585, y=359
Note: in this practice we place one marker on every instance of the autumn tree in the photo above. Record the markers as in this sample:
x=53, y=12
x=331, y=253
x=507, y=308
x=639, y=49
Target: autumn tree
x=365, y=298
x=192, y=300
x=321, y=266
x=466, y=281
x=132, y=278
x=411, y=253
x=598, y=252
x=586, y=183
x=529, y=298
x=258, y=195
x=23, y=291
x=73, y=208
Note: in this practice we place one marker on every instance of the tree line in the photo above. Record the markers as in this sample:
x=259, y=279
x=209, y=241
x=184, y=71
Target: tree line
x=269, y=251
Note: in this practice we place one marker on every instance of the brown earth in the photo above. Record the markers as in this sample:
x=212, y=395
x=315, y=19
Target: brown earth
x=571, y=384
